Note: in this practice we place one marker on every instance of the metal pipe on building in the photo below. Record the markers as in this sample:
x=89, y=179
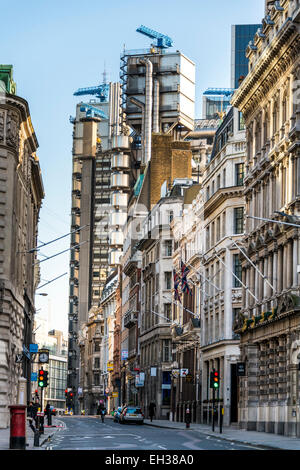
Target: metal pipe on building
x=148, y=109
x=156, y=106
x=142, y=106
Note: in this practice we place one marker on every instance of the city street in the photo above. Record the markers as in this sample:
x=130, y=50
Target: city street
x=89, y=433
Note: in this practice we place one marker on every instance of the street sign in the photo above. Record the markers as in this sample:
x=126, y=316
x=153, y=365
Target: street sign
x=110, y=365
x=175, y=373
x=184, y=372
x=33, y=376
x=241, y=369
x=33, y=348
x=124, y=355
x=166, y=386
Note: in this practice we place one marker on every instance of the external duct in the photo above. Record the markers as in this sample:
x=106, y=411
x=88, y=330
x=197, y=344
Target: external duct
x=142, y=106
x=156, y=106
x=148, y=109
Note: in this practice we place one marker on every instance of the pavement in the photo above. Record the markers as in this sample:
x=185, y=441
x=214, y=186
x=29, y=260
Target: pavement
x=257, y=439
x=48, y=433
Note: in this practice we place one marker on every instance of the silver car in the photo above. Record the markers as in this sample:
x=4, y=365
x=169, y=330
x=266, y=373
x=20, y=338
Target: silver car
x=132, y=414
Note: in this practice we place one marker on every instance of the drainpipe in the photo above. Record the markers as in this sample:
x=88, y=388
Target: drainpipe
x=156, y=106
x=148, y=109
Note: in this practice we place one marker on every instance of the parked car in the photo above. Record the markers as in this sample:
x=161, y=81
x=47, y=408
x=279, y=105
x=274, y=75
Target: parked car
x=131, y=414
x=117, y=414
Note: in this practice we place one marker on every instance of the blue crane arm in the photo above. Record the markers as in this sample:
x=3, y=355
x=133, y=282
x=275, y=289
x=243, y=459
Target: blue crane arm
x=101, y=91
x=162, y=40
x=91, y=111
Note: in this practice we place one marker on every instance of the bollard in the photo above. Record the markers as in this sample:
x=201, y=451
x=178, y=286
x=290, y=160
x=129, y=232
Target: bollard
x=17, y=427
x=36, y=440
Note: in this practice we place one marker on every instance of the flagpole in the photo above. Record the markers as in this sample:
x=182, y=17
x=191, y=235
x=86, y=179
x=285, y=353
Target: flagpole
x=206, y=280
x=192, y=313
x=254, y=266
x=247, y=288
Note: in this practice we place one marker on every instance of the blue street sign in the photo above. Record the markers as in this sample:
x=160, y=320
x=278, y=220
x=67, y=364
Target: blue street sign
x=33, y=376
x=33, y=348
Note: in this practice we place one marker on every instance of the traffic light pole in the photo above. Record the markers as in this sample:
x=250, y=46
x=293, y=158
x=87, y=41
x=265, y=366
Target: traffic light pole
x=213, y=411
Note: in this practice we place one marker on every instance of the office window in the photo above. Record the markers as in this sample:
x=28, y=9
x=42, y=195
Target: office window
x=218, y=228
x=239, y=174
x=170, y=216
x=241, y=121
x=168, y=248
x=237, y=270
x=167, y=311
x=168, y=280
x=166, y=350
x=239, y=220
x=96, y=379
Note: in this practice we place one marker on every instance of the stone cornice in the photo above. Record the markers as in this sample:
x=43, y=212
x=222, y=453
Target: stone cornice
x=13, y=102
x=221, y=195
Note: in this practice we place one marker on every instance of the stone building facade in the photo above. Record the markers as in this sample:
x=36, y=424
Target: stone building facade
x=205, y=236
x=20, y=201
x=269, y=328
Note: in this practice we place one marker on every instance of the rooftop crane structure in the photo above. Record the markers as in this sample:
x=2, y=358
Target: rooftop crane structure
x=100, y=91
x=163, y=41
x=92, y=111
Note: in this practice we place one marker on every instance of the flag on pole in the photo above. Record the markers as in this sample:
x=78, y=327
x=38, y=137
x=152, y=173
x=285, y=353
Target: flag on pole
x=184, y=282
x=176, y=285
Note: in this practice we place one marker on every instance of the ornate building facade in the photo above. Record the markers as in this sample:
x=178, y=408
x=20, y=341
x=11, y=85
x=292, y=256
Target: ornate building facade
x=270, y=329
x=20, y=201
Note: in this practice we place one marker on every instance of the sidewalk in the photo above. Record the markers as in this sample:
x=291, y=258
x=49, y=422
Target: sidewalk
x=48, y=432
x=259, y=439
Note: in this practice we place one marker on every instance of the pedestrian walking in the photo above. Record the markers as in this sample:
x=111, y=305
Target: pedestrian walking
x=101, y=411
x=49, y=414
x=30, y=416
x=187, y=418
x=152, y=408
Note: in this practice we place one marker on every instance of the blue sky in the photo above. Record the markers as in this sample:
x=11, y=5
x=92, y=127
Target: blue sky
x=59, y=46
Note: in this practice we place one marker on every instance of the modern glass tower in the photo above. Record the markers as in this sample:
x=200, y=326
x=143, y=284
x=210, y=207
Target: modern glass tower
x=241, y=34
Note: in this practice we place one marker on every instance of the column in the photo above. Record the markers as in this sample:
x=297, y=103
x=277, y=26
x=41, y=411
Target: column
x=274, y=280
x=279, y=270
x=289, y=264
x=284, y=266
x=295, y=261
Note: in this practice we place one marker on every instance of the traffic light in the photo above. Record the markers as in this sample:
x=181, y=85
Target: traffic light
x=216, y=383
x=41, y=378
x=45, y=378
x=214, y=379
x=66, y=393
